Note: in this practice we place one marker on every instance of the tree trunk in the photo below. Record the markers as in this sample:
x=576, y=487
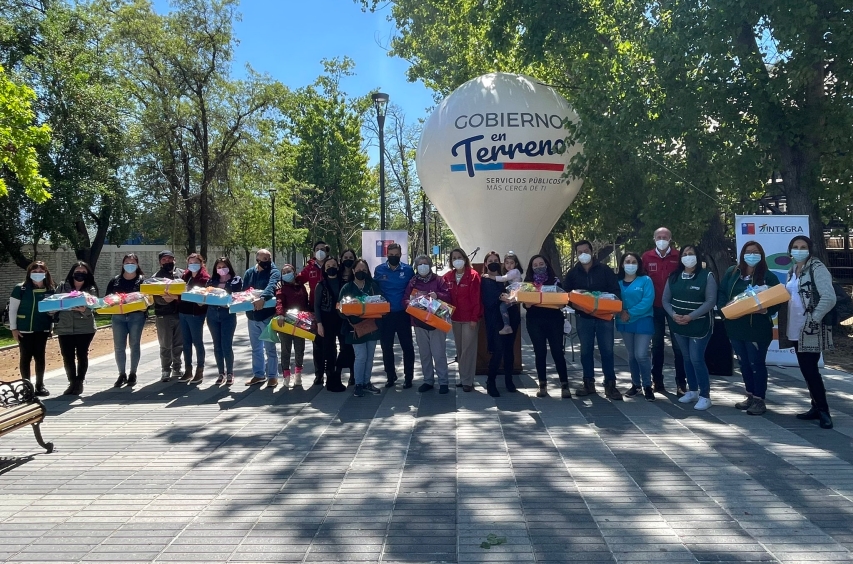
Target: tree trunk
x=715, y=247
x=550, y=251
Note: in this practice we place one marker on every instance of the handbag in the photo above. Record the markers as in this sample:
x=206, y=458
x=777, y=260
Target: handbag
x=843, y=308
x=365, y=327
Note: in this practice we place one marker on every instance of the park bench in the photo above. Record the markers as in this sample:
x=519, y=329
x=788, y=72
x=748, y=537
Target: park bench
x=19, y=407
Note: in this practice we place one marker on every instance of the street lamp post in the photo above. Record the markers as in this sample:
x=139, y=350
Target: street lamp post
x=272, y=220
x=380, y=102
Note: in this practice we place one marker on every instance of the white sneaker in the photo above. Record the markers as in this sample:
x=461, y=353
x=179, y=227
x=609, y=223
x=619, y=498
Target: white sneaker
x=165, y=376
x=297, y=380
x=702, y=404
x=689, y=397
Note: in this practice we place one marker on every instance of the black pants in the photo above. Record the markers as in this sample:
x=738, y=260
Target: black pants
x=506, y=352
x=318, y=351
x=32, y=347
x=346, y=358
x=814, y=381
x=397, y=323
x=75, y=355
x=548, y=333
x=329, y=348
x=658, y=355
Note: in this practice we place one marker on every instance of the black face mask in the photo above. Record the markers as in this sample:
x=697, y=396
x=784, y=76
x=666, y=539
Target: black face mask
x=265, y=264
x=360, y=275
x=393, y=261
x=169, y=266
x=80, y=276
x=494, y=266
x=331, y=272
x=348, y=263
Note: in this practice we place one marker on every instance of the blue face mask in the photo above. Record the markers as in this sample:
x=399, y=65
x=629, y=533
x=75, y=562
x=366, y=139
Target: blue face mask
x=129, y=268
x=289, y=277
x=194, y=267
x=751, y=259
x=631, y=269
x=800, y=255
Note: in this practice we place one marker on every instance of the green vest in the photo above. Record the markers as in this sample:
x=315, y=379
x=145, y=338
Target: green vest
x=687, y=296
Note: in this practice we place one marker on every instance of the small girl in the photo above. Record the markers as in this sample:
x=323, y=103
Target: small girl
x=290, y=294
x=513, y=274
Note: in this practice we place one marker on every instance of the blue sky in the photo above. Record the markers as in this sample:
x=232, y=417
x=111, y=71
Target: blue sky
x=287, y=39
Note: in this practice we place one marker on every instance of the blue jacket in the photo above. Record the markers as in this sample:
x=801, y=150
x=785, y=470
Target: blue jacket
x=392, y=283
x=266, y=281
x=638, y=299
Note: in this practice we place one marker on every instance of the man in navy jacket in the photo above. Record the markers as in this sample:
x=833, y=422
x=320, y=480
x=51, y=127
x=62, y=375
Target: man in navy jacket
x=393, y=276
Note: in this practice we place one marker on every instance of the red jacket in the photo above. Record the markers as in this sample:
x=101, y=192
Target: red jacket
x=465, y=296
x=311, y=275
x=290, y=296
x=659, y=269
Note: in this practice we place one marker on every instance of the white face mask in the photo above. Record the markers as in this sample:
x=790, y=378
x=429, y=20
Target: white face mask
x=631, y=269
x=37, y=276
x=585, y=258
x=458, y=264
x=130, y=268
x=662, y=244
x=423, y=269
x=689, y=261
x=320, y=255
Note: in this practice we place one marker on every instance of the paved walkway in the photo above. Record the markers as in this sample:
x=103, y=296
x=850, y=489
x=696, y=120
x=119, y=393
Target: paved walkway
x=173, y=473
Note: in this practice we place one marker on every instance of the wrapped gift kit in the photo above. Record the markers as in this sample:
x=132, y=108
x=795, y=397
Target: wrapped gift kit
x=369, y=307
x=291, y=330
x=159, y=286
x=247, y=306
x=531, y=294
x=122, y=307
x=244, y=301
x=209, y=296
x=598, y=304
x=64, y=302
x=754, y=299
x=431, y=311
x=430, y=319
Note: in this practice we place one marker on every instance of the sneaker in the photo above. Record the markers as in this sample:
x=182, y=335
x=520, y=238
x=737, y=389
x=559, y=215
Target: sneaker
x=393, y=378
x=689, y=397
x=757, y=407
x=272, y=383
x=611, y=392
x=359, y=391
x=220, y=380
x=745, y=404
x=372, y=389
x=165, y=376
x=543, y=391
x=255, y=380
x=122, y=380
x=176, y=373
x=649, y=393
x=286, y=377
x=565, y=392
x=507, y=330
x=131, y=379
x=702, y=404
x=229, y=379
x=425, y=387
x=443, y=389
x=632, y=391
x=297, y=380
x=587, y=389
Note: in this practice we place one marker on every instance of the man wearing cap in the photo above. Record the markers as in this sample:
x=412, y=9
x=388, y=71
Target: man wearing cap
x=167, y=321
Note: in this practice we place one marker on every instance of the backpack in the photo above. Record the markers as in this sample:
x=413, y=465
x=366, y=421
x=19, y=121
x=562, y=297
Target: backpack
x=843, y=308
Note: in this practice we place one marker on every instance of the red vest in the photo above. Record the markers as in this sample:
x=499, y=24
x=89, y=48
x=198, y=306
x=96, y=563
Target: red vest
x=659, y=269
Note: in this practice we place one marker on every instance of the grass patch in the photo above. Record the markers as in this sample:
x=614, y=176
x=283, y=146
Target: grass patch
x=6, y=337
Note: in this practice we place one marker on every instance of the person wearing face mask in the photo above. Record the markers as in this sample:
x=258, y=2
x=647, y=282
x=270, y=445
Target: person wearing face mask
x=264, y=276
x=192, y=316
x=166, y=319
x=393, y=276
x=432, y=343
x=312, y=274
x=348, y=258
x=750, y=335
x=127, y=327
x=290, y=294
x=221, y=323
x=590, y=275
x=346, y=357
x=463, y=283
x=326, y=295
x=500, y=345
x=75, y=328
x=545, y=327
x=636, y=322
x=659, y=263
x=31, y=328
x=362, y=333
x=801, y=322
x=689, y=298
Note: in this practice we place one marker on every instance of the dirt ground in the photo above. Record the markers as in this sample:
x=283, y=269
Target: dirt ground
x=101, y=345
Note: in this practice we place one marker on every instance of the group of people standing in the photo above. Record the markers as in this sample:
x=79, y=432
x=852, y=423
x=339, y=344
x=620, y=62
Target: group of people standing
x=663, y=286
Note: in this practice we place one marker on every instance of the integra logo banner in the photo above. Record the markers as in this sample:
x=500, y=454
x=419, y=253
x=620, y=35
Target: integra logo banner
x=780, y=229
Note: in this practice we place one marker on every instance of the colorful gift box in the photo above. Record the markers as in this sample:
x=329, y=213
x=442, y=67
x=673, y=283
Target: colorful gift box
x=366, y=310
x=754, y=299
x=558, y=299
x=214, y=297
x=122, y=308
x=248, y=306
x=289, y=329
x=158, y=286
x=430, y=319
x=597, y=304
x=63, y=302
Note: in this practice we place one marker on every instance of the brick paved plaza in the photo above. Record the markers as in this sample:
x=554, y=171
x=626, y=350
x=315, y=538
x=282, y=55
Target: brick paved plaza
x=173, y=473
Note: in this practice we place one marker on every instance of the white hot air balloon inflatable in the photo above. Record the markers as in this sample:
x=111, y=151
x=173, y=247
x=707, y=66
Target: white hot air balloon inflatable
x=492, y=159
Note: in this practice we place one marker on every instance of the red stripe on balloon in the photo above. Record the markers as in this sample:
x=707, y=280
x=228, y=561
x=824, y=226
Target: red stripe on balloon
x=534, y=166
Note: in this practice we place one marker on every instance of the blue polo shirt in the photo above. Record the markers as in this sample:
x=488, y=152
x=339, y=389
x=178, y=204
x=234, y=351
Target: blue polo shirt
x=393, y=283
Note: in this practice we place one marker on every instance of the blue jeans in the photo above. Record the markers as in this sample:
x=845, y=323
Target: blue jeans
x=638, y=357
x=260, y=347
x=591, y=330
x=363, y=362
x=127, y=329
x=192, y=330
x=222, y=326
x=751, y=358
x=695, y=368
